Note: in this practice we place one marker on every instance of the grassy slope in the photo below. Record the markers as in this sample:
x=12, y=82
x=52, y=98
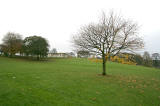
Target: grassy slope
x=75, y=82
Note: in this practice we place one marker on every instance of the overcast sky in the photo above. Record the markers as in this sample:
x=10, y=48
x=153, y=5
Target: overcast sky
x=58, y=20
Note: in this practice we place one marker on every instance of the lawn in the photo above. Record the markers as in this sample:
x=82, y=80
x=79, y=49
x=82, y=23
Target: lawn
x=76, y=82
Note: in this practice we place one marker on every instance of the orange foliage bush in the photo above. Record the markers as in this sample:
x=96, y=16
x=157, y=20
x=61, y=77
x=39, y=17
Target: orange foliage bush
x=123, y=59
x=95, y=60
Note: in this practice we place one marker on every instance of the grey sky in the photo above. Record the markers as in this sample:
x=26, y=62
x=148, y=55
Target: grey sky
x=58, y=20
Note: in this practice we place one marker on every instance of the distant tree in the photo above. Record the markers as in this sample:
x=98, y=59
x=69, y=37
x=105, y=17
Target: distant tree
x=71, y=54
x=155, y=56
x=156, y=59
x=146, y=55
x=108, y=37
x=54, y=50
x=138, y=59
x=0, y=49
x=36, y=46
x=147, y=59
x=4, y=50
x=12, y=43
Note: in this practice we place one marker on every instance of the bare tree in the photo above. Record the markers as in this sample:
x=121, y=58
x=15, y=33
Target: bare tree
x=108, y=37
x=12, y=43
x=146, y=56
x=54, y=50
x=147, y=59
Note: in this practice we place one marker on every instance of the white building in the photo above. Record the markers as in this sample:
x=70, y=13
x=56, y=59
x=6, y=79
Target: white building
x=61, y=55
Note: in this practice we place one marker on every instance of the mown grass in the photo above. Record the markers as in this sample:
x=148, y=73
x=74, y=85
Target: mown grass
x=76, y=82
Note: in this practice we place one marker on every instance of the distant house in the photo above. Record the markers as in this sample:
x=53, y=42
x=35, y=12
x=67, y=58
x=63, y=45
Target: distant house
x=61, y=55
x=94, y=56
x=71, y=54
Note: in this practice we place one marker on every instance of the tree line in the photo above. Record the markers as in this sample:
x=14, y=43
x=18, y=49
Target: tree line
x=32, y=46
x=145, y=60
x=151, y=60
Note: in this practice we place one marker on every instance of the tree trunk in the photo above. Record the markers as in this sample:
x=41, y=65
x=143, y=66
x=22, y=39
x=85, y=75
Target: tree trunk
x=11, y=55
x=37, y=57
x=104, y=65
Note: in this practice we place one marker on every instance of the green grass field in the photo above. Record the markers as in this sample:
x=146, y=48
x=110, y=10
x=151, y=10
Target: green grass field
x=76, y=82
